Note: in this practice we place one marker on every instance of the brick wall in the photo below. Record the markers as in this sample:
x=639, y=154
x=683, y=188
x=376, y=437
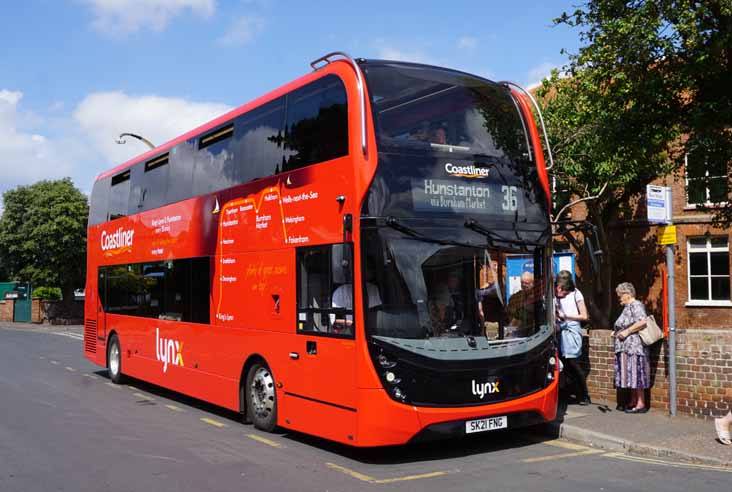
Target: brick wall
x=6, y=310
x=703, y=371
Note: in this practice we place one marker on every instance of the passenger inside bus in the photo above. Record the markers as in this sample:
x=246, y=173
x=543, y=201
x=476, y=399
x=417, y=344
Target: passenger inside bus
x=521, y=308
x=438, y=134
x=447, y=305
x=488, y=297
x=343, y=298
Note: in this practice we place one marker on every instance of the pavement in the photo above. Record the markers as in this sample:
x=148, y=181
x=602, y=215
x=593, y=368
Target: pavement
x=655, y=434
x=651, y=435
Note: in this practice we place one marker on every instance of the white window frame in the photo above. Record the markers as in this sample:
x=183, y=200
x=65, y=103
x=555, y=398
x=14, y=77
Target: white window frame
x=707, y=202
x=708, y=249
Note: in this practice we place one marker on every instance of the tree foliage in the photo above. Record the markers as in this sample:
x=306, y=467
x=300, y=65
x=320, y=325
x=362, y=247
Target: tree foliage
x=650, y=83
x=43, y=235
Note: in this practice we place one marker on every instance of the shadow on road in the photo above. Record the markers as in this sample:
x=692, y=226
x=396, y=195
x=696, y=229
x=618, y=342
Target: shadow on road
x=490, y=442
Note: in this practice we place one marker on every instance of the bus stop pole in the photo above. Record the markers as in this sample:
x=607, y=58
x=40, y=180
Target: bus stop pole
x=671, y=323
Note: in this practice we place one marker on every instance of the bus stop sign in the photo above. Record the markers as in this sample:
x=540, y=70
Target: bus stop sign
x=658, y=201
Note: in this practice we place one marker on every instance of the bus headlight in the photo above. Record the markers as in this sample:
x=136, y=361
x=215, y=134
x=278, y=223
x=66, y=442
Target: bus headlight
x=391, y=378
x=399, y=394
x=385, y=362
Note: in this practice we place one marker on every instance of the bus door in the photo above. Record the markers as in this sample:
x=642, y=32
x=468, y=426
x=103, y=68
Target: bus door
x=321, y=388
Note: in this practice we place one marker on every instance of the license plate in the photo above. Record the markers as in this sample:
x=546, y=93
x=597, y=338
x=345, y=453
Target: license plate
x=489, y=424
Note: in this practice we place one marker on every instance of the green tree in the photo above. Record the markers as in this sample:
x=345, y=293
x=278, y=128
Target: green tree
x=650, y=83
x=43, y=235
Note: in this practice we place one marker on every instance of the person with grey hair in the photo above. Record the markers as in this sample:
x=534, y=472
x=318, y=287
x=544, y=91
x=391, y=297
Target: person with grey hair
x=632, y=362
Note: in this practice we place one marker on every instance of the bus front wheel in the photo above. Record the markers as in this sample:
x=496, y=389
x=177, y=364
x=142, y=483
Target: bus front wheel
x=114, y=360
x=261, y=397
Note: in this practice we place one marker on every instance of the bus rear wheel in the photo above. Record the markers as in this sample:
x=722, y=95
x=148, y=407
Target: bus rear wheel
x=261, y=397
x=114, y=360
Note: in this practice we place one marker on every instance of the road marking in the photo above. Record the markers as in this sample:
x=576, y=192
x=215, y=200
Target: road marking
x=564, y=445
x=75, y=336
x=264, y=440
x=70, y=369
x=563, y=456
x=672, y=464
x=41, y=357
x=212, y=422
x=365, y=478
x=54, y=362
x=173, y=408
x=144, y=397
x=91, y=376
x=115, y=386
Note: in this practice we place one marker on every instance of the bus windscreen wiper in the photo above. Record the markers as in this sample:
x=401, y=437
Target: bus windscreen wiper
x=494, y=238
x=393, y=223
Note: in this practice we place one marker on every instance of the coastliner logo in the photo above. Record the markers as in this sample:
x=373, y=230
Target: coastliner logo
x=469, y=171
x=118, y=241
x=482, y=389
x=168, y=351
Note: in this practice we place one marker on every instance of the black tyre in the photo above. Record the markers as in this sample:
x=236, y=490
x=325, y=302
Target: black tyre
x=261, y=397
x=114, y=360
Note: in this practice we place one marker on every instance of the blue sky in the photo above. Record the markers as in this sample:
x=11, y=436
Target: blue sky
x=76, y=73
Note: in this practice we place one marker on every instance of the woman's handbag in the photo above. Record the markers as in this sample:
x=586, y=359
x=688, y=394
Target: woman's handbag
x=650, y=333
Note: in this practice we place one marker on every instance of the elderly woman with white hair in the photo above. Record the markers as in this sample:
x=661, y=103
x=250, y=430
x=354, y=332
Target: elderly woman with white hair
x=632, y=363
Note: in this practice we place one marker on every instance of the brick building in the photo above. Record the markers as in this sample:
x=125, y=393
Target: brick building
x=702, y=294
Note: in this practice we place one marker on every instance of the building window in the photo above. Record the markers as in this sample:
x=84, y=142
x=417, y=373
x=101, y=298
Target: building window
x=709, y=269
x=706, y=181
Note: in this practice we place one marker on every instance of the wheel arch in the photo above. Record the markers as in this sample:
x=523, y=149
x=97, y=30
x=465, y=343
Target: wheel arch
x=112, y=333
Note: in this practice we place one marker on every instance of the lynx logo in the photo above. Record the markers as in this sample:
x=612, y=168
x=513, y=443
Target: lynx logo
x=168, y=351
x=118, y=241
x=482, y=389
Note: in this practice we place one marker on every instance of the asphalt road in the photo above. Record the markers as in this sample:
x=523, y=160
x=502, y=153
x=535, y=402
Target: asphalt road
x=65, y=427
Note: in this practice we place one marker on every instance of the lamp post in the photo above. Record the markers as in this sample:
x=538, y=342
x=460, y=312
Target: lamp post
x=120, y=140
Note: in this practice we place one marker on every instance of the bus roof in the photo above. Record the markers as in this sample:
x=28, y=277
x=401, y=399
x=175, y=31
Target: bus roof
x=222, y=119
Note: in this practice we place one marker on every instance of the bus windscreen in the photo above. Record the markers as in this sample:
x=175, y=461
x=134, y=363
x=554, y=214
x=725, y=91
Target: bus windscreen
x=450, y=144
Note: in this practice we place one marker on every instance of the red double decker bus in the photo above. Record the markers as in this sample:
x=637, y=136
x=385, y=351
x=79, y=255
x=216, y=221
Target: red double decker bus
x=331, y=258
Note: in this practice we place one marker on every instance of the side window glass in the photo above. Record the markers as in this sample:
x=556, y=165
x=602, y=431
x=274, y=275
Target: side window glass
x=317, y=123
x=200, y=289
x=177, y=290
x=136, y=185
x=98, y=205
x=325, y=290
x=214, y=162
x=180, y=172
x=119, y=195
x=258, y=144
x=154, y=178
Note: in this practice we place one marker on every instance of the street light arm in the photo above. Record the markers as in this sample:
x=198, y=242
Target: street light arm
x=121, y=140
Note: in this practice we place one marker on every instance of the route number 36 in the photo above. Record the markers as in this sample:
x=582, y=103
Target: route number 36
x=510, y=198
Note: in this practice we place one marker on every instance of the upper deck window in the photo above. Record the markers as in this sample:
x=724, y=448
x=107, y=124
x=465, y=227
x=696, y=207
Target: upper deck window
x=420, y=108
x=317, y=123
x=119, y=195
x=258, y=143
x=214, y=161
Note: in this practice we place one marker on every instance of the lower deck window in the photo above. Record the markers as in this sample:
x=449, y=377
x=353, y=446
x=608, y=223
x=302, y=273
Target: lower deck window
x=175, y=290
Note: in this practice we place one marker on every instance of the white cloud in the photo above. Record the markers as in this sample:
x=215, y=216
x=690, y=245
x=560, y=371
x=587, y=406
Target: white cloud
x=119, y=17
x=242, y=31
x=82, y=144
x=398, y=54
x=159, y=119
x=467, y=42
x=539, y=73
x=27, y=156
